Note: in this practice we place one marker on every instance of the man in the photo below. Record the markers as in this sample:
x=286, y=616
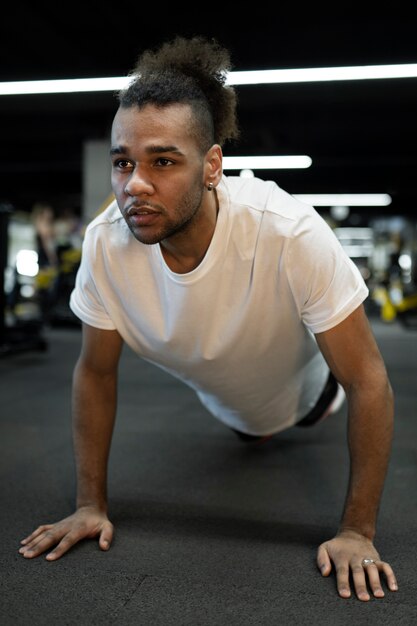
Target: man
x=231, y=285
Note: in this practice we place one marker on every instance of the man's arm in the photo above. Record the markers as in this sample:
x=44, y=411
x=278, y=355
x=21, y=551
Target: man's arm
x=354, y=358
x=94, y=400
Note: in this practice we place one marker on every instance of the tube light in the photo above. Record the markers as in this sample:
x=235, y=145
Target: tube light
x=70, y=85
x=256, y=77
x=266, y=162
x=323, y=74
x=345, y=199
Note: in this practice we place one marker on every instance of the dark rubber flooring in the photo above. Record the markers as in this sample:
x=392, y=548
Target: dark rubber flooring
x=209, y=531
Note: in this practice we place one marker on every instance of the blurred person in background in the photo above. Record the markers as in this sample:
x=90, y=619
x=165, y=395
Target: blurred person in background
x=43, y=219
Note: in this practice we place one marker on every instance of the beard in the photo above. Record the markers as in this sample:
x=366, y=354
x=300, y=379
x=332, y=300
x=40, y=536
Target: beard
x=180, y=220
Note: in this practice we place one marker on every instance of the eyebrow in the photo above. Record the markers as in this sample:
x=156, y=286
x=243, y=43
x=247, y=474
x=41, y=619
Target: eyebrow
x=155, y=149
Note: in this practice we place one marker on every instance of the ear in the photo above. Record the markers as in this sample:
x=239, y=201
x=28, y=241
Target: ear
x=213, y=168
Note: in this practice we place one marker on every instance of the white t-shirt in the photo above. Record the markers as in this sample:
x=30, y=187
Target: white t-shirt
x=239, y=328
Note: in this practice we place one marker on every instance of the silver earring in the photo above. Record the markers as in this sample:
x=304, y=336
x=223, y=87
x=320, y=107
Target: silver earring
x=210, y=187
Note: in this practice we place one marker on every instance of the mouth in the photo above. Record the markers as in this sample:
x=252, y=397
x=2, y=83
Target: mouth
x=142, y=216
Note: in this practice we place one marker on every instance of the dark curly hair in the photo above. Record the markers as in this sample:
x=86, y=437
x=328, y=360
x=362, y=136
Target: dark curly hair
x=188, y=71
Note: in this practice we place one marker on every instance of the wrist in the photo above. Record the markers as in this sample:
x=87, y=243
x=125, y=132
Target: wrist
x=91, y=493
x=92, y=504
x=352, y=530
x=359, y=517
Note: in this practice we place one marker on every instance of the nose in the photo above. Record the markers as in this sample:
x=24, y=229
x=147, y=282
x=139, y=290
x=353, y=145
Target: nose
x=138, y=184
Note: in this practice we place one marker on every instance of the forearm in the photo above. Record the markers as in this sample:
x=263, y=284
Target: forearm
x=370, y=430
x=94, y=408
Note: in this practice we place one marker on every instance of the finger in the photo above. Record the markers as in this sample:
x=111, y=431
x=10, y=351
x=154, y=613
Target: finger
x=36, y=533
x=35, y=543
x=389, y=575
x=64, y=545
x=342, y=577
x=359, y=582
x=40, y=543
x=374, y=580
x=106, y=536
x=323, y=561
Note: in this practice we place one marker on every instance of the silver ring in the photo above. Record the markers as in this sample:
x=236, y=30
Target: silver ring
x=367, y=562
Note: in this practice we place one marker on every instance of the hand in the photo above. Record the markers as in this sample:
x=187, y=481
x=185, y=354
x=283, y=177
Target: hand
x=87, y=522
x=347, y=552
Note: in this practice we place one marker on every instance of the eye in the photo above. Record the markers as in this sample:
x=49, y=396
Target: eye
x=122, y=164
x=164, y=162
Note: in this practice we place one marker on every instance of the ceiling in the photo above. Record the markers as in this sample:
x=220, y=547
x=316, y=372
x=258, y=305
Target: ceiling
x=361, y=135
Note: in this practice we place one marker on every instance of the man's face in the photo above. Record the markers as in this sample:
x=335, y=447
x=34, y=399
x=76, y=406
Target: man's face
x=157, y=170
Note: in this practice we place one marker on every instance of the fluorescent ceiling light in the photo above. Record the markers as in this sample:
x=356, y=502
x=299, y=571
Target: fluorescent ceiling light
x=70, y=85
x=266, y=162
x=345, y=199
x=320, y=74
x=256, y=77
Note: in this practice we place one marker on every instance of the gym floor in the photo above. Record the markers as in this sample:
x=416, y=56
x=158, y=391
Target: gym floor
x=209, y=530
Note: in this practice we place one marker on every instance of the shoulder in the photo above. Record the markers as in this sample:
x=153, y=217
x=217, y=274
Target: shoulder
x=107, y=236
x=265, y=195
x=280, y=210
x=108, y=230
x=110, y=215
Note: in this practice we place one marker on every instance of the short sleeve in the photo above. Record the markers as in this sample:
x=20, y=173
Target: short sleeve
x=85, y=300
x=325, y=282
